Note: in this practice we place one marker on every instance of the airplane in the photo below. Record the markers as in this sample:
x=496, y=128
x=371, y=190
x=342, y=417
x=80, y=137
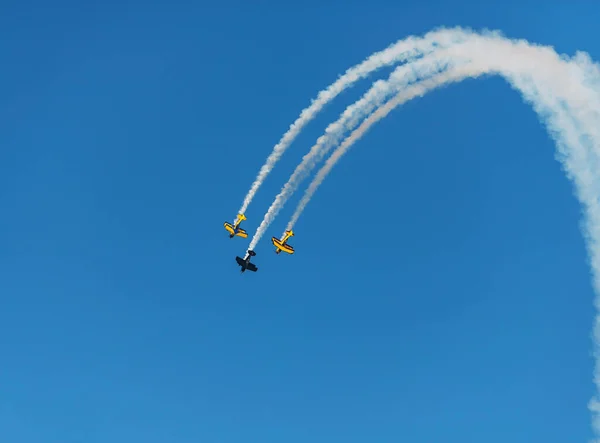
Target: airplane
x=235, y=229
x=281, y=245
x=245, y=262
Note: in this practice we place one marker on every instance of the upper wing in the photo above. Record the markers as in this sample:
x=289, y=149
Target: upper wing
x=252, y=267
x=241, y=233
x=284, y=247
x=287, y=248
x=228, y=227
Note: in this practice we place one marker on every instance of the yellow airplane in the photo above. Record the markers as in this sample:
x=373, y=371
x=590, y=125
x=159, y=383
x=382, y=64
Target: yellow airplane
x=281, y=245
x=235, y=229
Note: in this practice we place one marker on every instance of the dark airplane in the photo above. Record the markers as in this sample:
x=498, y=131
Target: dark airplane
x=245, y=262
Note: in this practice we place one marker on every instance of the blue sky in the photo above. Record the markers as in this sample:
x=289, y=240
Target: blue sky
x=440, y=290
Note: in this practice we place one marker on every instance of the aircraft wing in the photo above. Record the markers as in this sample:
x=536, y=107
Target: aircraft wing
x=287, y=248
x=235, y=231
x=284, y=247
x=248, y=266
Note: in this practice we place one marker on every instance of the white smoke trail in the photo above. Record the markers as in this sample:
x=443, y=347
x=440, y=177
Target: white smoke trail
x=404, y=75
x=403, y=50
x=488, y=59
x=414, y=91
x=565, y=94
x=374, y=97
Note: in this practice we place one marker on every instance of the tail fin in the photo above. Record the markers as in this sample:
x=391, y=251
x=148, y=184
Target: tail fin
x=251, y=253
x=241, y=217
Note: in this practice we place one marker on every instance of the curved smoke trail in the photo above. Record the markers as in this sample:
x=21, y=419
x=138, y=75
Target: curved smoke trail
x=401, y=51
x=417, y=90
x=350, y=118
x=565, y=94
x=495, y=56
x=453, y=52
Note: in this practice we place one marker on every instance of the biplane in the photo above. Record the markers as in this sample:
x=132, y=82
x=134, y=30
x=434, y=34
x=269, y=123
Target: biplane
x=281, y=245
x=234, y=229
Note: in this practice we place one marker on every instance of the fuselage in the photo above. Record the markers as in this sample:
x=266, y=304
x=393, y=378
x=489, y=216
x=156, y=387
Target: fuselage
x=283, y=243
x=234, y=229
x=245, y=263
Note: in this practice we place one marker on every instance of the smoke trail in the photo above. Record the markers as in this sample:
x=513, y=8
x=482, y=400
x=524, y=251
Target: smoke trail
x=483, y=62
x=403, y=50
x=564, y=93
x=373, y=98
x=401, y=77
x=414, y=91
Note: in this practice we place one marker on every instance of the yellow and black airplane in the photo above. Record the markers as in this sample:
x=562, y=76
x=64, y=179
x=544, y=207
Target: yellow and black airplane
x=235, y=229
x=281, y=245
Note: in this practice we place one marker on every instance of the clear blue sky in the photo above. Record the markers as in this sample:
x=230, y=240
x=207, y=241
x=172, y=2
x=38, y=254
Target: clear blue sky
x=440, y=290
